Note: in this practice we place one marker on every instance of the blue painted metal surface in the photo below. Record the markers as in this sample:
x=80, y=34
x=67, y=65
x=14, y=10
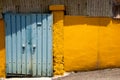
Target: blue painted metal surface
x=29, y=44
x=40, y=50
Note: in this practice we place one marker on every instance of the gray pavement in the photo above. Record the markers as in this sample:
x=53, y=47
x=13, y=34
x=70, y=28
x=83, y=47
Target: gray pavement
x=106, y=74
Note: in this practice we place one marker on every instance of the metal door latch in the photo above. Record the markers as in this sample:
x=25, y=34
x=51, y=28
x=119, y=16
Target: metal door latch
x=39, y=24
x=34, y=46
x=23, y=45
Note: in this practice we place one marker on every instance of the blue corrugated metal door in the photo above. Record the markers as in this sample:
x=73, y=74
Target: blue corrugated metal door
x=28, y=44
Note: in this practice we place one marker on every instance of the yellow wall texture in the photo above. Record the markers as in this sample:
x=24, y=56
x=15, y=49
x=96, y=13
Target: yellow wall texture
x=58, y=29
x=91, y=43
x=2, y=49
x=79, y=43
x=109, y=43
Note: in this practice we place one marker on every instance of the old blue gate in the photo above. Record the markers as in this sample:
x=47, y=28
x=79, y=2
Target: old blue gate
x=28, y=44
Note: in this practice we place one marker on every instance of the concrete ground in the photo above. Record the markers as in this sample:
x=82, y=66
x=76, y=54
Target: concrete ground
x=43, y=78
x=106, y=74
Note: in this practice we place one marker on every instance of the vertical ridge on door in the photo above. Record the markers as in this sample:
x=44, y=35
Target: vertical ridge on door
x=19, y=57
x=14, y=43
x=28, y=46
x=23, y=44
x=34, y=38
x=8, y=43
x=49, y=56
x=44, y=67
x=39, y=44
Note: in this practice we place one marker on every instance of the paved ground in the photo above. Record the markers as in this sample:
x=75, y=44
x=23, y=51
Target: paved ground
x=107, y=74
x=28, y=78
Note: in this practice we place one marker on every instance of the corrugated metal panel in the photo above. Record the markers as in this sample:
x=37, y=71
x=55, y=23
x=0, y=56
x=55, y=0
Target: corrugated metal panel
x=76, y=7
x=57, y=1
x=26, y=6
x=29, y=44
x=73, y=7
x=99, y=7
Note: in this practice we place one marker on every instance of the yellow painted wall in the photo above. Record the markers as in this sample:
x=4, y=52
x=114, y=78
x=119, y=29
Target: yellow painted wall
x=109, y=43
x=88, y=43
x=58, y=43
x=2, y=49
x=91, y=43
x=58, y=29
